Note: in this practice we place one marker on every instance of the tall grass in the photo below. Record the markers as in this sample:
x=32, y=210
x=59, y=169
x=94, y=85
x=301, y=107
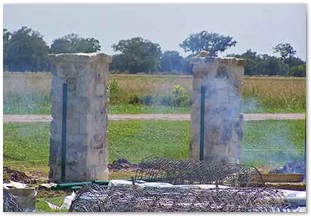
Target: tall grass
x=259, y=94
x=275, y=94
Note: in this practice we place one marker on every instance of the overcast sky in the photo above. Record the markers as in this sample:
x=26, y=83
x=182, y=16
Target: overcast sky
x=254, y=26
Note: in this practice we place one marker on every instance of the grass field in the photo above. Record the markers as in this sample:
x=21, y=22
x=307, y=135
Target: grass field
x=269, y=143
x=29, y=94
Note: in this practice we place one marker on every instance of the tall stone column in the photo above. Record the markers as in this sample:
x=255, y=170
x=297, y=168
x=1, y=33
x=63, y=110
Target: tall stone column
x=222, y=135
x=87, y=154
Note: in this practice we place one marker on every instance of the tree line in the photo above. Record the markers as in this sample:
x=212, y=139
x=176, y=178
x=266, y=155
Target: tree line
x=26, y=50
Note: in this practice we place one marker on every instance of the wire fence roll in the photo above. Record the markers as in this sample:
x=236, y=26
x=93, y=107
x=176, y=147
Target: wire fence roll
x=9, y=203
x=198, y=172
x=96, y=198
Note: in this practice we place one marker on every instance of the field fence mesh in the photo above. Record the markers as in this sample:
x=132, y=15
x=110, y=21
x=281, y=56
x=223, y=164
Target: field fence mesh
x=9, y=203
x=96, y=198
x=198, y=172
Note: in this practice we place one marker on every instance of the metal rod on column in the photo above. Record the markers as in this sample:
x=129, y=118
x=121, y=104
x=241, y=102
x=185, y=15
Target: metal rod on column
x=202, y=114
x=64, y=134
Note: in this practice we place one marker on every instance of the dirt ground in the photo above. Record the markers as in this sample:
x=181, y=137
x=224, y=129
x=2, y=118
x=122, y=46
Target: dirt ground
x=169, y=117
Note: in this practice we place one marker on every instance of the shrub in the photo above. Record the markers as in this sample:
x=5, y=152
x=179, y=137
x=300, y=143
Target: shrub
x=114, y=92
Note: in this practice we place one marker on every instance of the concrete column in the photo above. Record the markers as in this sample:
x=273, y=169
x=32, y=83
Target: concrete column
x=222, y=78
x=87, y=142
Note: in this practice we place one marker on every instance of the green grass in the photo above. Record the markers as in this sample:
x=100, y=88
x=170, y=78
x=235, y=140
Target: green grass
x=139, y=109
x=42, y=206
x=271, y=143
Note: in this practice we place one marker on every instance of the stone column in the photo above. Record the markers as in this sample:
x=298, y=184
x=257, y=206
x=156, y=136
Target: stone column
x=222, y=78
x=87, y=142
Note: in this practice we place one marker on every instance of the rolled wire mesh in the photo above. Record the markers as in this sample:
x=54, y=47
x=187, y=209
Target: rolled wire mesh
x=200, y=172
x=96, y=198
x=9, y=203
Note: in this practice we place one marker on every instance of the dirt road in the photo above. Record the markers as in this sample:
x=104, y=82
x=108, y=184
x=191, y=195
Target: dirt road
x=169, y=117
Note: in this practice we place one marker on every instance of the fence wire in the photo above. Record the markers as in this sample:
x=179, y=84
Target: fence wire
x=198, y=172
x=96, y=198
x=9, y=203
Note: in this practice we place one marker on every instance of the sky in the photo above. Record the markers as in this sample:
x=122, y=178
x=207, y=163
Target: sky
x=259, y=27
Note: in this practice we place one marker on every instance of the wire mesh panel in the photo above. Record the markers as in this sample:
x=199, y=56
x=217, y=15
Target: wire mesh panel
x=9, y=203
x=96, y=198
x=202, y=172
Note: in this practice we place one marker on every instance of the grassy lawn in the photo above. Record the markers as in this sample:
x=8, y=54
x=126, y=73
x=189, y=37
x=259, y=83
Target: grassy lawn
x=28, y=93
x=269, y=143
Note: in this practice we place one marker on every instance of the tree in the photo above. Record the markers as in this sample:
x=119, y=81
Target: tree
x=72, y=43
x=211, y=42
x=137, y=55
x=285, y=50
x=298, y=71
x=25, y=50
x=171, y=61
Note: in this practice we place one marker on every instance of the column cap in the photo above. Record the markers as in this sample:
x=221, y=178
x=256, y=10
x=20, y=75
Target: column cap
x=80, y=57
x=212, y=60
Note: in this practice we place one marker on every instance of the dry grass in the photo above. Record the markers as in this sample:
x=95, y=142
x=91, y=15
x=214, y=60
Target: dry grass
x=277, y=93
x=272, y=93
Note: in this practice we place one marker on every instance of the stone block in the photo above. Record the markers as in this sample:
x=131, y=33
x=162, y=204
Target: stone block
x=86, y=76
x=100, y=90
x=222, y=77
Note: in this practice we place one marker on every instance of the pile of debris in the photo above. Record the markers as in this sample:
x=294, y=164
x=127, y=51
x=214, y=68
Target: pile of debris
x=16, y=176
x=121, y=164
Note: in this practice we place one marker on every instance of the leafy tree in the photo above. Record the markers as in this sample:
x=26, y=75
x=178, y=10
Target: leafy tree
x=6, y=38
x=211, y=42
x=171, y=61
x=285, y=50
x=72, y=43
x=137, y=55
x=25, y=50
x=298, y=71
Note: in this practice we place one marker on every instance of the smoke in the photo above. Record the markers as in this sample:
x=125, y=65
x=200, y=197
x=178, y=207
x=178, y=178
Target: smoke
x=26, y=93
x=272, y=143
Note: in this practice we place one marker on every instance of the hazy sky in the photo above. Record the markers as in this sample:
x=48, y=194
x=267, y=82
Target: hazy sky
x=254, y=26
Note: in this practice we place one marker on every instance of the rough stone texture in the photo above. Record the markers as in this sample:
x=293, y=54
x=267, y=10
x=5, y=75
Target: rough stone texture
x=223, y=121
x=87, y=142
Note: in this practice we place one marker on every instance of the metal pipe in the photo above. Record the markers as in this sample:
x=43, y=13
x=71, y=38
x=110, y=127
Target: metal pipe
x=64, y=134
x=202, y=123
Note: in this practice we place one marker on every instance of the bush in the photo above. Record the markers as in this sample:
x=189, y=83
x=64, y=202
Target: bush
x=114, y=92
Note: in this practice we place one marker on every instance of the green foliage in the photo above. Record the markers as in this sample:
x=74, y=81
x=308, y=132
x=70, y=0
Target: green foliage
x=178, y=97
x=285, y=50
x=211, y=42
x=171, y=61
x=137, y=55
x=256, y=64
x=72, y=43
x=298, y=71
x=114, y=92
x=24, y=50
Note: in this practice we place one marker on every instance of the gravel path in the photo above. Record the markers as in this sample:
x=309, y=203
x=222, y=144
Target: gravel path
x=169, y=117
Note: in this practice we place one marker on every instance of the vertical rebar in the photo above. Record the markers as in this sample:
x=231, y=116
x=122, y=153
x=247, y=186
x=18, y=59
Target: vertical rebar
x=64, y=134
x=202, y=122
